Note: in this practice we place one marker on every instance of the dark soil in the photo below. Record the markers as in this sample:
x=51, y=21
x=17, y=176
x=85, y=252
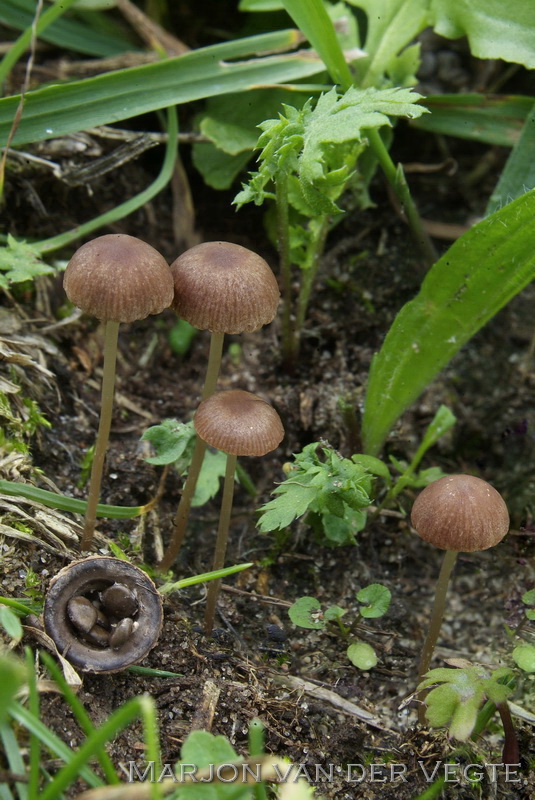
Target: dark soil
x=299, y=683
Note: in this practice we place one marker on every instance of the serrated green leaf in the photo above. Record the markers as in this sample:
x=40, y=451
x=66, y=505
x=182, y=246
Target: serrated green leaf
x=362, y=655
x=465, y=716
x=19, y=262
x=304, y=613
x=376, y=599
x=441, y=703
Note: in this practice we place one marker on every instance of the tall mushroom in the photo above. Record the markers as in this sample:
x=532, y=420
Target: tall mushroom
x=223, y=288
x=240, y=424
x=116, y=278
x=455, y=513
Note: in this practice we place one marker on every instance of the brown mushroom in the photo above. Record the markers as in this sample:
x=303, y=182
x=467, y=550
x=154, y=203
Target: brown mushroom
x=116, y=278
x=455, y=513
x=240, y=424
x=223, y=288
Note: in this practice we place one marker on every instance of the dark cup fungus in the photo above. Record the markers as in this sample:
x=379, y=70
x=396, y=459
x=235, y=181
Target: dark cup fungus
x=103, y=614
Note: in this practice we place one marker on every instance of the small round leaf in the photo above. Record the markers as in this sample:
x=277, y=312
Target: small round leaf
x=376, y=598
x=362, y=655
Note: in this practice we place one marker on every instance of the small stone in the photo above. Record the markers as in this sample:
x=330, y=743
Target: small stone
x=119, y=600
x=82, y=613
x=97, y=636
x=121, y=634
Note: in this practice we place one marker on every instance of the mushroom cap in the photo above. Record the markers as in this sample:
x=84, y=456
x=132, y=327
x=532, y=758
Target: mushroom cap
x=460, y=512
x=239, y=423
x=225, y=288
x=118, y=277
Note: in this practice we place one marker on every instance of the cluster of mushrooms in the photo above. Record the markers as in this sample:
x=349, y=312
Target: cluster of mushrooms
x=103, y=613
x=215, y=286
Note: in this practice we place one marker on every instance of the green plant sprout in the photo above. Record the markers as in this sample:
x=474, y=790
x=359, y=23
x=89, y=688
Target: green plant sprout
x=307, y=161
x=524, y=654
x=375, y=600
x=456, y=700
x=332, y=491
x=201, y=750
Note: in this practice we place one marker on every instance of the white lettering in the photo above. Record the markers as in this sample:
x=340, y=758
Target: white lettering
x=430, y=777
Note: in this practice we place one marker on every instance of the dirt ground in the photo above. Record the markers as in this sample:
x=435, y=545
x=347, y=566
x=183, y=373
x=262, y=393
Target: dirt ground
x=312, y=701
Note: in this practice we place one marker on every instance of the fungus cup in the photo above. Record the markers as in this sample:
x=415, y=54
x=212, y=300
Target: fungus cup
x=240, y=424
x=116, y=278
x=455, y=513
x=223, y=288
x=103, y=614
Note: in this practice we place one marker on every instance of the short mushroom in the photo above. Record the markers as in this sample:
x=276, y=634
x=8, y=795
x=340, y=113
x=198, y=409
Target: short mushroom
x=240, y=424
x=224, y=288
x=116, y=278
x=455, y=513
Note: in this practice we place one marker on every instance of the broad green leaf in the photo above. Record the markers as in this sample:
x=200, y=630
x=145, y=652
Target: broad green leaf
x=441, y=704
x=391, y=26
x=212, y=471
x=524, y=657
x=476, y=277
x=518, y=175
x=483, y=118
x=113, y=96
x=494, y=29
x=334, y=613
x=304, y=613
x=362, y=655
x=376, y=599
x=10, y=623
x=203, y=749
x=170, y=439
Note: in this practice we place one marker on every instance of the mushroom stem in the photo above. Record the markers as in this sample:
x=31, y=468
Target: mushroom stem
x=448, y=563
x=221, y=542
x=184, y=506
x=214, y=363
x=111, y=334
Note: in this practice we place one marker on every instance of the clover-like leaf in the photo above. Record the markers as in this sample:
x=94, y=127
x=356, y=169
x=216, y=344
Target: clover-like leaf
x=376, y=599
x=306, y=613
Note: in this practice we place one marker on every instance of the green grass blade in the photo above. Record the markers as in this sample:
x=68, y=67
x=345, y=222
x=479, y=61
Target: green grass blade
x=216, y=574
x=476, y=277
x=129, y=206
x=312, y=19
x=215, y=70
x=518, y=175
x=59, y=501
x=33, y=708
x=81, y=716
x=77, y=761
x=67, y=33
x=19, y=47
x=14, y=759
x=49, y=739
x=489, y=119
